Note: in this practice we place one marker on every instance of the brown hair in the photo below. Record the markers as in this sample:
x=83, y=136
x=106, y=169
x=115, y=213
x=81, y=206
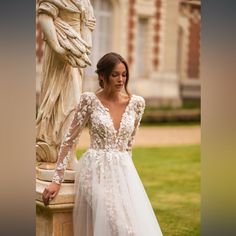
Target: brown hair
x=106, y=65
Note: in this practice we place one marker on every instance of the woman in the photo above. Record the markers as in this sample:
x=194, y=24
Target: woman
x=110, y=199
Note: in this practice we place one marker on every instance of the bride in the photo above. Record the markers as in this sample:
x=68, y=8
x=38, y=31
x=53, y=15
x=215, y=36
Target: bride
x=110, y=199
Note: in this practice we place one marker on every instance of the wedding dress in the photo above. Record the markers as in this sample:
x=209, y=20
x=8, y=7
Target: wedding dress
x=110, y=199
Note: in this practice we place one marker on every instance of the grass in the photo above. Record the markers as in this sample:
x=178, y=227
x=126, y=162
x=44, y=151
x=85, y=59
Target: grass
x=171, y=177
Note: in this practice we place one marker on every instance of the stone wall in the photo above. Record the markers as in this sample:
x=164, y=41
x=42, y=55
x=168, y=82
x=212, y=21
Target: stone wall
x=169, y=48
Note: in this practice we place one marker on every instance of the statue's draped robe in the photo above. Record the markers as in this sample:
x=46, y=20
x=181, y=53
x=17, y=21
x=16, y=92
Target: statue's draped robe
x=61, y=83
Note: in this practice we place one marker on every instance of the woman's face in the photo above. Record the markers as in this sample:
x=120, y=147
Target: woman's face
x=117, y=78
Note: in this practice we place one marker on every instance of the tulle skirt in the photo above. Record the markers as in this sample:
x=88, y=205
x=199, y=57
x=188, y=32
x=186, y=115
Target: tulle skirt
x=110, y=199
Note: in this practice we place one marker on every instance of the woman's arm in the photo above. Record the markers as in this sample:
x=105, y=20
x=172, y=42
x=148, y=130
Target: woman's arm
x=80, y=119
x=139, y=110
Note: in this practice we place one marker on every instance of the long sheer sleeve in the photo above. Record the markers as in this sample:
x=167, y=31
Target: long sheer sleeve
x=139, y=109
x=80, y=119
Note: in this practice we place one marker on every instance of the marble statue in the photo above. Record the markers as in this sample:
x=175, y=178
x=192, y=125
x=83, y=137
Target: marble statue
x=67, y=27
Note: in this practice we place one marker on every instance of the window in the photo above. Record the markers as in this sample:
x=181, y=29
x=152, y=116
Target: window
x=141, y=67
x=102, y=35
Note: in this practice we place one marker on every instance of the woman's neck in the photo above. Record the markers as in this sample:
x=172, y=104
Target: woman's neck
x=111, y=95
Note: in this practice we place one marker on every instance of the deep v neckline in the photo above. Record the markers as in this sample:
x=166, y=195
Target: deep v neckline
x=117, y=131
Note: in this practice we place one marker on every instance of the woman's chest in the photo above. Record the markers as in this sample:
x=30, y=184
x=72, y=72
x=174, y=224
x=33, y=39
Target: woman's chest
x=103, y=121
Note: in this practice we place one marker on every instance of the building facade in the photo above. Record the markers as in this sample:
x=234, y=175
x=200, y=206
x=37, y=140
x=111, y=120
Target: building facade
x=160, y=39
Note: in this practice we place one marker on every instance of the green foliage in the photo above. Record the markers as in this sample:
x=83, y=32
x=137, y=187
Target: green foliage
x=188, y=113
x=172, y=116
x=171, y=124
x=171, y=177
x=187, y=104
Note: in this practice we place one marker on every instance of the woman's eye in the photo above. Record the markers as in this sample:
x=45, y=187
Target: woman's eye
x=116, y=74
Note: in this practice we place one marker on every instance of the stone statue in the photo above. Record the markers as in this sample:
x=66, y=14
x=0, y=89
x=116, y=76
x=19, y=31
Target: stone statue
x=67, y=26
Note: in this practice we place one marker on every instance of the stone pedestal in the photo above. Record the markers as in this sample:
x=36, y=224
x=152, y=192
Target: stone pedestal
x=56, y=219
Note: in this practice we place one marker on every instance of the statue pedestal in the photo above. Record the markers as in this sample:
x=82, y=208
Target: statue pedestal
x=56, y=219
x=45, y=171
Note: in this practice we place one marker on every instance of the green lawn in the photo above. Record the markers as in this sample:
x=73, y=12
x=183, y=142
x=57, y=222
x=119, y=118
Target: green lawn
x=171, y=177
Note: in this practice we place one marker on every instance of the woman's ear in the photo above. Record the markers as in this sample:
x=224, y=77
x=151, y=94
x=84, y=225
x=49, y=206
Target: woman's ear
x=101, y=81
x=101, y=78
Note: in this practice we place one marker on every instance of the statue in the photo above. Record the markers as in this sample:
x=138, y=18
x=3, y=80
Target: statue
x=67, y=26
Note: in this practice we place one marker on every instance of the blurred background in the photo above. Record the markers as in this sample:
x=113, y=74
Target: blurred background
x=160, y=39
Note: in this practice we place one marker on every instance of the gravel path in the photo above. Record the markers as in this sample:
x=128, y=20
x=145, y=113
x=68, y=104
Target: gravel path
x=158, y=136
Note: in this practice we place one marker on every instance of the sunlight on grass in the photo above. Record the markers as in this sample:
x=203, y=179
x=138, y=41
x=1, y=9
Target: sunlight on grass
x=171, y=177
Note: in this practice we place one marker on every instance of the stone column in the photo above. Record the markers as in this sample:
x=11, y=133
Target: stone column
x=56, y=219
x=165, y=78
x=189, y=22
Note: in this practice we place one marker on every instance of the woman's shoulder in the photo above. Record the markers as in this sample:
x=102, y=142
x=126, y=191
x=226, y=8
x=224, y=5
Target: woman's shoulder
x=86, y=98
x=87, y=95
x=139, y=100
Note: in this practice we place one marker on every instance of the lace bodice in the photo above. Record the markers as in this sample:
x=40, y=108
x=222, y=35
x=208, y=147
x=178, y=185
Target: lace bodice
x=103, y=135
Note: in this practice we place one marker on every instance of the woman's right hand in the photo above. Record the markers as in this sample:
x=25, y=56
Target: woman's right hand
x=50, y=192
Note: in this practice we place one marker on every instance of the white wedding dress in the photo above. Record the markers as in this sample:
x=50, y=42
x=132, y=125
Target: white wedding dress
x=110, y=199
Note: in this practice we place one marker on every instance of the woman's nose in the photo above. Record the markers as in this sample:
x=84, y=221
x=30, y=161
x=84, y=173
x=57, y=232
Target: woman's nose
x=120, y=78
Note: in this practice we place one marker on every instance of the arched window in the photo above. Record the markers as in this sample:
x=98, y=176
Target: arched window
x=141, y=57
x=102, y=35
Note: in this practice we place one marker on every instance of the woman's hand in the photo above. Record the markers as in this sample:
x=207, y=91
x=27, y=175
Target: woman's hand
x=50, y=192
